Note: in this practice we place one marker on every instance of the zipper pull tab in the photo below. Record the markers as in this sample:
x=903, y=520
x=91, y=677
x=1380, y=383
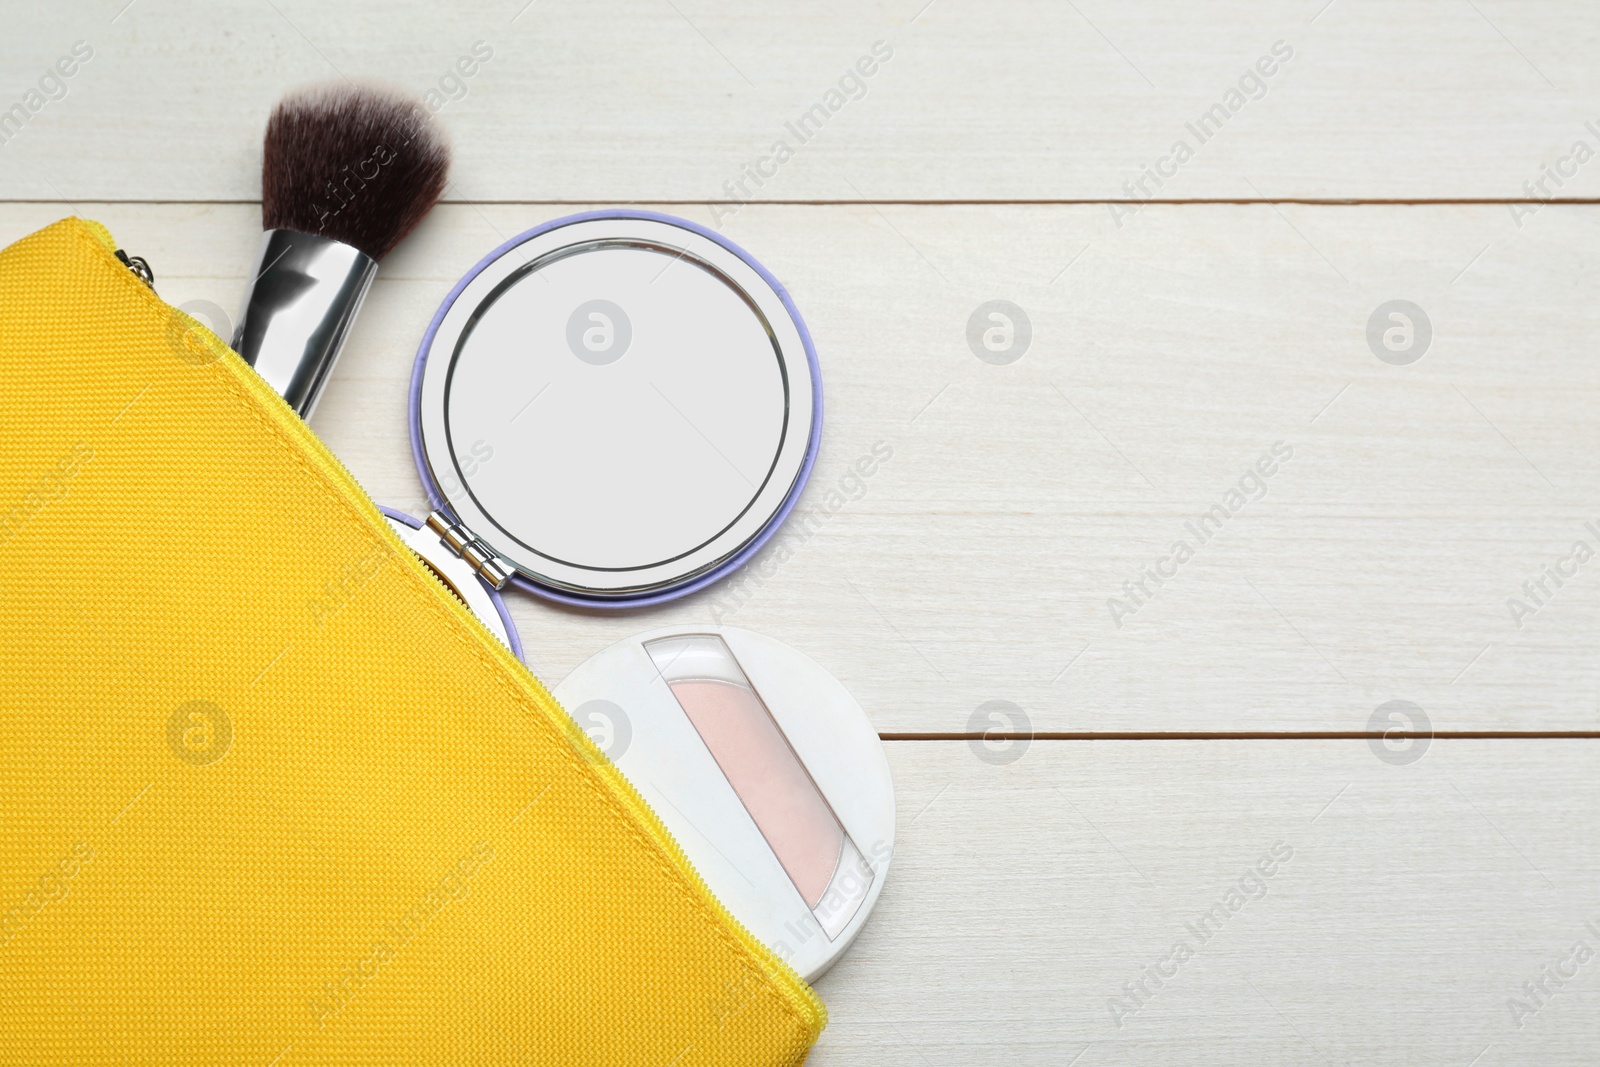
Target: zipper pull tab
x=139, y=267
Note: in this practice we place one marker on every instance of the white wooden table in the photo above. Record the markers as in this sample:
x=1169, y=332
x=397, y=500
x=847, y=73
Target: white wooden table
x=1397, y=150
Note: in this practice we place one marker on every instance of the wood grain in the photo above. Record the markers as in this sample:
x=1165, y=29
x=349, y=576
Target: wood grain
x=1415, y=903
x=968, y=584
x=649, y=100
x=980, y=562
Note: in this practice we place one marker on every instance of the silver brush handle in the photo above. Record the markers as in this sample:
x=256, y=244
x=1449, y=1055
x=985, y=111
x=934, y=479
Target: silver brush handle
x=304, y=293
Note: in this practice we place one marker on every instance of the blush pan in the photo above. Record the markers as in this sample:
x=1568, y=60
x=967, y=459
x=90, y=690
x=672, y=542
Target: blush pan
x=763, y=770
x=770, y=782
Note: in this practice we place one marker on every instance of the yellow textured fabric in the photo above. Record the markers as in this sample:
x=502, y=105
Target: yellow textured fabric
x=268, y=794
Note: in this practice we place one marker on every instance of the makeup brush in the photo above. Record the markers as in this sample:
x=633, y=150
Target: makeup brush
x=347, y=171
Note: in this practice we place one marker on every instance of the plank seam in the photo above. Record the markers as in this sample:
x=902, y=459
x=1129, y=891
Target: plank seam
x=1247, y=735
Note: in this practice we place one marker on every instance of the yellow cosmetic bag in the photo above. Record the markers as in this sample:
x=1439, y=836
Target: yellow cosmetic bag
x=268, y=793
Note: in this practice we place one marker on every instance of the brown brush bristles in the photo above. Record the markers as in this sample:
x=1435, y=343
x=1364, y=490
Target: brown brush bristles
x=361, y=164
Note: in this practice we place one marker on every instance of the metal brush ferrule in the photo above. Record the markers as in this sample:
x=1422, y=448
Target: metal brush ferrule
x=304, y=293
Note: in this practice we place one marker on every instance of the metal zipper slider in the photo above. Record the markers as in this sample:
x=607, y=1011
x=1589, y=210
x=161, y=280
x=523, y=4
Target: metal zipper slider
x=466, y=544
x=139, y=267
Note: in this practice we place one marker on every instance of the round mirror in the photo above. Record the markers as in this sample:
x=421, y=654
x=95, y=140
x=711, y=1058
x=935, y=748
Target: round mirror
x=621, y=407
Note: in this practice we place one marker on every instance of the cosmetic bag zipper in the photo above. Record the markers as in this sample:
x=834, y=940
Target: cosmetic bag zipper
x=139, y=266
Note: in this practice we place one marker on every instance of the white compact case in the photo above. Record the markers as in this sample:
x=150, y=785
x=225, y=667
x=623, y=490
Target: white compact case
x=763, y=768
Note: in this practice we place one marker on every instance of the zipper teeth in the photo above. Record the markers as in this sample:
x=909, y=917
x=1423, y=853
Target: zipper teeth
x=631, y=798
x=642, y=809
x=800, y=994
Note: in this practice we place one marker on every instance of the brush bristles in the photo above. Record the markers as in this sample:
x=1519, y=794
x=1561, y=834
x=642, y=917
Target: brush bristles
x=361, y=164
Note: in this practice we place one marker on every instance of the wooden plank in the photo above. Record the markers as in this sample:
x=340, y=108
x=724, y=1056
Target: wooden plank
x=1414, y=902
x=982, y=560
x=642, y=100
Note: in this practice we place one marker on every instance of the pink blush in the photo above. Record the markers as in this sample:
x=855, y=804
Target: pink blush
x=769, y=780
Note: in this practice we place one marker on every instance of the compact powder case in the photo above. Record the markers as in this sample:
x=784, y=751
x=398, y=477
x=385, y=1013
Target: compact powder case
x=764, y=769
x=613, y=409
